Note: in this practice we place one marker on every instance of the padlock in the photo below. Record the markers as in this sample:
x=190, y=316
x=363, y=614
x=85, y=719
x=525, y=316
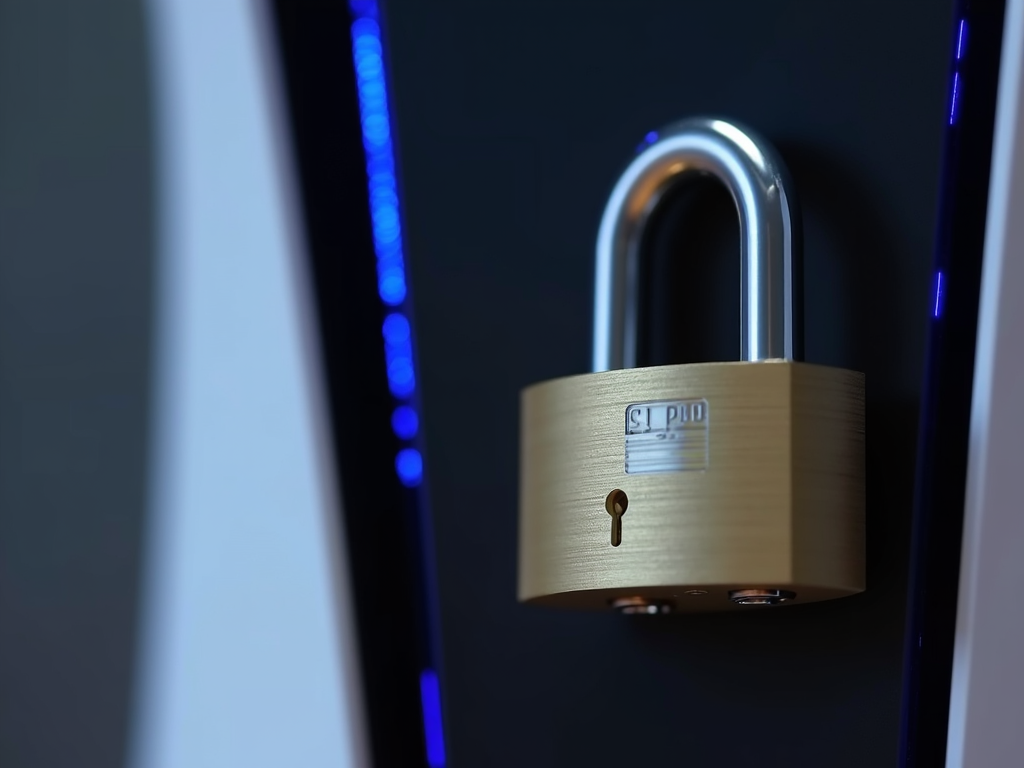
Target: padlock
x=705, y=486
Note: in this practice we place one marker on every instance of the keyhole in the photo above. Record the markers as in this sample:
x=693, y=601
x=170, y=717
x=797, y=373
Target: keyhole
x=616, y=504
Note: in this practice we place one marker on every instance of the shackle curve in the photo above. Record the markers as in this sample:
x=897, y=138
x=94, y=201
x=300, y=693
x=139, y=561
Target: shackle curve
x=770, y=260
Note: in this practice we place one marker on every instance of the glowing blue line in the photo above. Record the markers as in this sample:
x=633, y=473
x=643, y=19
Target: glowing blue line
x=960, y=39
x=938, y=295
x=430, y=696
x=396, y=329
x=385, y=215
x=409, y=466
x=386, y=219
x=385, y=208
x=405, y=422
x=956, y=89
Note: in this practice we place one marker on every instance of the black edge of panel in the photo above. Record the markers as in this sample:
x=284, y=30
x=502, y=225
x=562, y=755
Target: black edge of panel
x=946, y=404
x=382, y=518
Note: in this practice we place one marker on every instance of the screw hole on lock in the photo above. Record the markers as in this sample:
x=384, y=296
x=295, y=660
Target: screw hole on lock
x=641, y=606
x=760, y=596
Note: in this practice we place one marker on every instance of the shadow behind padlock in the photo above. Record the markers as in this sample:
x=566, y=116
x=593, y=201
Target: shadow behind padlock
x=705, y=486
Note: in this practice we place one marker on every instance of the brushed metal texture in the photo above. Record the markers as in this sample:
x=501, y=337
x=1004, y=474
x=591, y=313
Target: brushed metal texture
x=780, y=504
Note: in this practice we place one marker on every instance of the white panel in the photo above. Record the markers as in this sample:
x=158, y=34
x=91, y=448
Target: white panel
x=247, y=658
x=986, y=718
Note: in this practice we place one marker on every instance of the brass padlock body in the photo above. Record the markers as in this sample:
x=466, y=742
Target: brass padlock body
x=778, y=504
x=695, y=487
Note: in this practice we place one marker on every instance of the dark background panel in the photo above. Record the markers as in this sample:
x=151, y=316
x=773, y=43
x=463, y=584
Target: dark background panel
x=76, y=267
x=514, y=120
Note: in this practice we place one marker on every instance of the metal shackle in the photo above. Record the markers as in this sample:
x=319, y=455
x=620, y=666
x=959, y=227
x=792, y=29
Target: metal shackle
x=770, y=269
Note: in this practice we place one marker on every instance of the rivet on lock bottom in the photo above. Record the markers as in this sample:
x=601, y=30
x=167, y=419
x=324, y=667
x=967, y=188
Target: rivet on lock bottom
x=743, y=481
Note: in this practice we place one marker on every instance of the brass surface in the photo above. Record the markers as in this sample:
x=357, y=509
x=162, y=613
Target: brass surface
x=780, y=504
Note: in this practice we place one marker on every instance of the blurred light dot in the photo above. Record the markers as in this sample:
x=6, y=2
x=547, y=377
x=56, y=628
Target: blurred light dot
x=383, y=234
x=405, y=422
x=365, y=32
x=373, y=94
x=396, y=329
x=400, y=371
x=376, y=129
x=383, y=195
x=392, y=289
x=389, y=256
x=386, y=217
x=402, y=390
x=381, y=168
x=368, y=65
x=409, y=465
x=401, y=379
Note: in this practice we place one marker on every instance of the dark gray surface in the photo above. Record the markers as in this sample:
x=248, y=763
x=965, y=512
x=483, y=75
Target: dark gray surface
x=76, y=257
x=515, y=118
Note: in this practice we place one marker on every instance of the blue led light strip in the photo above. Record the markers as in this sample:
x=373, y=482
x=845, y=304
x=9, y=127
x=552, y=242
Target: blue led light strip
x=385, y=215
x=961, y=40
x=954, y=102
x=430, y=695
x=956, y=92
